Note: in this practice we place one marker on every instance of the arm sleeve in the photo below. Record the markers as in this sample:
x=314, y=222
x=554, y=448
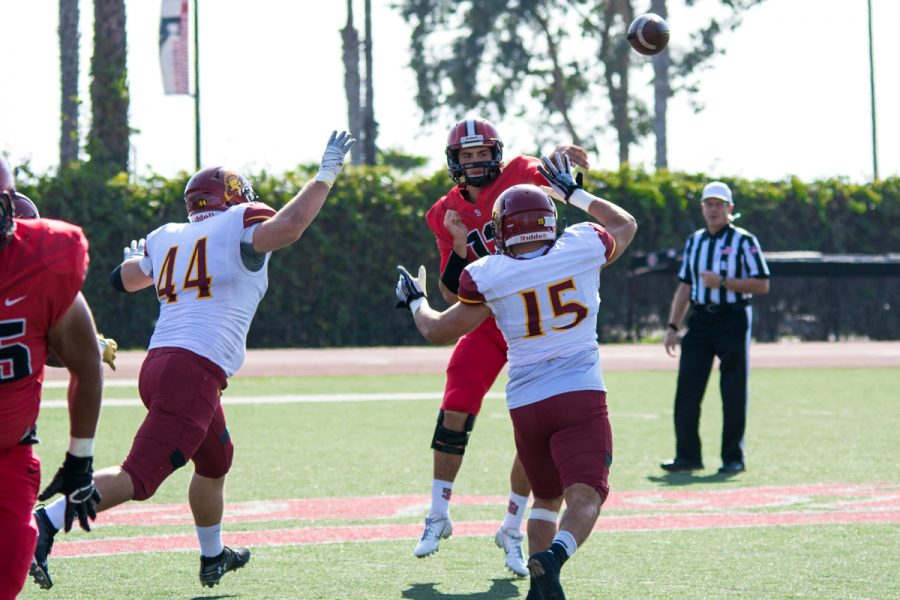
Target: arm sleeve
x=256, y=213
x=684, y=271
x=609, y=242
x=753, y=258
x=468, y=289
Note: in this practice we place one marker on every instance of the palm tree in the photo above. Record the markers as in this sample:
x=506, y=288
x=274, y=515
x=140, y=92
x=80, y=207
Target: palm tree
x=108, y=141
x=68, y=63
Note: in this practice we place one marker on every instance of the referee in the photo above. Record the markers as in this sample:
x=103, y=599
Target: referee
x=722, y=267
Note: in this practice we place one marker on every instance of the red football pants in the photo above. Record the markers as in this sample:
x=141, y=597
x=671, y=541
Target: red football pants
x=20, y=477
x=476, y=361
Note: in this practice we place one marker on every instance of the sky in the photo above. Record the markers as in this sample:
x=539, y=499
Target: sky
x=790, y=96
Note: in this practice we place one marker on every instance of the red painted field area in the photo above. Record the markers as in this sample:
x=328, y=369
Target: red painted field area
x=821, y=504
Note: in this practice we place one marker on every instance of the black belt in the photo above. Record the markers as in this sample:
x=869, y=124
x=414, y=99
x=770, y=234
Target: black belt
x=718, y=309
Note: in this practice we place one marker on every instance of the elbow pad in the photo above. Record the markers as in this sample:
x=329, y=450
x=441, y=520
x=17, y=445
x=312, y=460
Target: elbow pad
x=454, y=268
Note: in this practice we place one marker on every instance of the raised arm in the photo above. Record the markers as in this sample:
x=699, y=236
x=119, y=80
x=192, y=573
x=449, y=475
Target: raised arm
x=617, y=221
x=291, y=221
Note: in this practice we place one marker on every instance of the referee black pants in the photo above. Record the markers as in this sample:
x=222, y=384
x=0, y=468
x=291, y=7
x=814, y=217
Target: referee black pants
x=727, y=336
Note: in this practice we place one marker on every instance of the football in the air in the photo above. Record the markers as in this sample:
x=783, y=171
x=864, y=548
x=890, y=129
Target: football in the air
x=648, y=34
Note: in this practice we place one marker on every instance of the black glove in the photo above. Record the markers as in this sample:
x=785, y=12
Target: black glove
x=409, y=288
x=558, y=172
x=75, y=481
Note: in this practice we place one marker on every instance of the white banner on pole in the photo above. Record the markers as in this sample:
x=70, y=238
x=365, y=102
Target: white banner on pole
x=173, y=46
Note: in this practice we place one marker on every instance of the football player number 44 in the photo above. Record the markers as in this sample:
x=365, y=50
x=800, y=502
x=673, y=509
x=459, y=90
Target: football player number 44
x=553, y=293
x=196, y=276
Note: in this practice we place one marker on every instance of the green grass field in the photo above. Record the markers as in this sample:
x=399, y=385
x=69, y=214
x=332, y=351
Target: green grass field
x=805, y=427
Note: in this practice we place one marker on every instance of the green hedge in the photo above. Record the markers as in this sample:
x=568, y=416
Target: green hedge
x=335, y=286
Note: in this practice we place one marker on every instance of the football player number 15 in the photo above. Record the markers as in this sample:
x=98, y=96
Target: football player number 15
x=554, y=292
x=196, y=276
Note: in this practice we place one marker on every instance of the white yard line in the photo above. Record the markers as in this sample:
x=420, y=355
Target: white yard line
x=288, y=399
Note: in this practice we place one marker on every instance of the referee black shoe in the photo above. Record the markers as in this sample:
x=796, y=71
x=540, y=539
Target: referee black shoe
x=732, y=467
x=681, y=465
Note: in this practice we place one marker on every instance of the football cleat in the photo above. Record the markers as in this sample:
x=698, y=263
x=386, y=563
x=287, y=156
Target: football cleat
x=436, y=529
x=39, y=569
x=510, y=541
x=544, y=570
x=212, y=568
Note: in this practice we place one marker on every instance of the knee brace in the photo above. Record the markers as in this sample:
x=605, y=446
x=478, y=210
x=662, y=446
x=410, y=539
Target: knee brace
x=450, y=441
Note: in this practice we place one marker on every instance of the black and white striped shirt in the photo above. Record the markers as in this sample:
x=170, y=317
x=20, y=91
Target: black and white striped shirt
x=733, y=253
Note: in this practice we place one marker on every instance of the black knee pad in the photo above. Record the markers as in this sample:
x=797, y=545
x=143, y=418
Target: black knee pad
x=450, y=441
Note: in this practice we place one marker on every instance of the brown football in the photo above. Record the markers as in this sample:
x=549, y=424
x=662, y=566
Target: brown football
x=648, y=34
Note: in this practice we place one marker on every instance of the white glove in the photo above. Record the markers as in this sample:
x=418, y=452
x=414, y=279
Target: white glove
x=135, y=250
x=333, y=159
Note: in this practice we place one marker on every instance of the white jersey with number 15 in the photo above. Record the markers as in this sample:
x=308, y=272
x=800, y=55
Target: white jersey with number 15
x=546, y=306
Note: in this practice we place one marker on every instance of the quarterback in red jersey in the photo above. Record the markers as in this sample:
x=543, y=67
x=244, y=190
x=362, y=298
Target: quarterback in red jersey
x=42, y=268
x=461, y=223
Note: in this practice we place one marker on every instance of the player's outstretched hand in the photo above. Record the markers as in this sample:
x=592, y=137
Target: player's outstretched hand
x=578, y=156
x=75, y=481
x=135, y=250
x=108, y=348
x=557, y=170
x=338, y=146
x=408, y=289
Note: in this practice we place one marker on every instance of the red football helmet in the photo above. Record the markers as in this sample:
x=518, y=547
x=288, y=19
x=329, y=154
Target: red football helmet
x=467, y=134
x=523, y=213
x=216, y=189
x=7, y=208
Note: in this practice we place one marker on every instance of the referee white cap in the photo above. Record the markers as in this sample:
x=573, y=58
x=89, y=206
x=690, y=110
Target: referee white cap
x=717, y=189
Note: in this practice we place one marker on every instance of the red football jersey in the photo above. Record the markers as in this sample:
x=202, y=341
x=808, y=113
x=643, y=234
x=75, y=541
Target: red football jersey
x=477, y=216
x=41, y=270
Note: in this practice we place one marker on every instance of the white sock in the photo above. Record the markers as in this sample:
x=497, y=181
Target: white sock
x=515, y=511
x=440, y=498
x=210, y=540
x=567, y=540
x=56, y=512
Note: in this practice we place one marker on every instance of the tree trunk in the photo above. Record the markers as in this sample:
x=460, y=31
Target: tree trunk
x=108, y=142
x=370, y=125
x=68, y=68
x=661, y=92
x=350, y=38
x=615, y=54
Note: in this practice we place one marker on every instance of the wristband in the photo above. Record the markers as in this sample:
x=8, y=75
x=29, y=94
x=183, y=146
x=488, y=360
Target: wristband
x=581, y=199
x=81, y=447
x=673, y=327
x=415, y=305
x=326, y=177
x=452, y=270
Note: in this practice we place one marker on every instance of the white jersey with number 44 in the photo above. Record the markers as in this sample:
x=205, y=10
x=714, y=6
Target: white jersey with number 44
x=546, y=307
x=207, y=297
